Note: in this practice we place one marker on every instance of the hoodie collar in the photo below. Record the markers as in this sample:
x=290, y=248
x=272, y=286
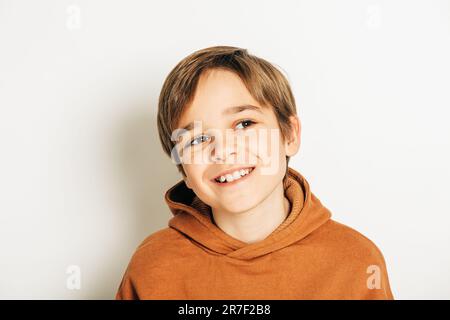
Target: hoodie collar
x=193, y=218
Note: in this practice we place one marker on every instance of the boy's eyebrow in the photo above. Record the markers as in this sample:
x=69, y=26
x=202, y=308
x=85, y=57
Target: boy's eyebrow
x=230, y=110
x=238, y=109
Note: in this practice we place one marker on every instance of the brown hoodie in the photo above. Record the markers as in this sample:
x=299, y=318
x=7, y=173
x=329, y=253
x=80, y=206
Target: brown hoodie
x=309, y=256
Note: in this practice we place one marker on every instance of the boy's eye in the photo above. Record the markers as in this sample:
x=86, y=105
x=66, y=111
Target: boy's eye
x=204, y=138
x=199, y=139
x=247, y=123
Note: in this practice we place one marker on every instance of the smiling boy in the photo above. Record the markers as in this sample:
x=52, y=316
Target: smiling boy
x=245, y=225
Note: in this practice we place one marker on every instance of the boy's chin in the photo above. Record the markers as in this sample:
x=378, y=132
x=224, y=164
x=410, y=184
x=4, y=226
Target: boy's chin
x=241, y=205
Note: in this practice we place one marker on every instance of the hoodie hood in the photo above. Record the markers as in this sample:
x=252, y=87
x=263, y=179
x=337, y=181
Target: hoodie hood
x=193, y=218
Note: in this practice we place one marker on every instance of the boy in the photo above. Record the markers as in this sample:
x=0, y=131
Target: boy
x=244, y=225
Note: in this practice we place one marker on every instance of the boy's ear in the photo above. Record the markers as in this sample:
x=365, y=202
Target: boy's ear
x=292, y=143
x=186, y=181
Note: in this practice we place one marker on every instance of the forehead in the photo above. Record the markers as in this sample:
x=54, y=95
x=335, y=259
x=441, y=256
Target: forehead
x=218, y=93
x=218, y=84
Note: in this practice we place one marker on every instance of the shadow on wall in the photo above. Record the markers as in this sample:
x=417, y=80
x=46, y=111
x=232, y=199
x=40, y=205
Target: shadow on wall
x=144, y=173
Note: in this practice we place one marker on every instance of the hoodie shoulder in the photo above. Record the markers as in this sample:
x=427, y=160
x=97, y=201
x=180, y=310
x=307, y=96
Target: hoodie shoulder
x=158, y=248
x=151, y=263
x=350, y=239
x=158, y=239
x=347, y=243
x=356, y=258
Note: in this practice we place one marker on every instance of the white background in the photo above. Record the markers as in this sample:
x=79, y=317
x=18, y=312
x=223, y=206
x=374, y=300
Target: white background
x=82, y=172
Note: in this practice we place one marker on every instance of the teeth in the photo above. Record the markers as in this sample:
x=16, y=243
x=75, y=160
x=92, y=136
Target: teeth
x=233, y=176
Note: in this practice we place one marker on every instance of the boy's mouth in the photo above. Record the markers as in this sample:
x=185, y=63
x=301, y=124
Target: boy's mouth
x=231, y=177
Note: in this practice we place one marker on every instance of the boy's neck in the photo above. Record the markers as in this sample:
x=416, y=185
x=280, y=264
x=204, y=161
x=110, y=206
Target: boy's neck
x=257, y=223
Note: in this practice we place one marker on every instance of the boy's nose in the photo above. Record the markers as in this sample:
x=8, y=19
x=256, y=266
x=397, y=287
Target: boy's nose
x=222, y=151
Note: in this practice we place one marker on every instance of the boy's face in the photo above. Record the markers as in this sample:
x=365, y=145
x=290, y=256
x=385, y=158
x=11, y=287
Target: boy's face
x=226, y=139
